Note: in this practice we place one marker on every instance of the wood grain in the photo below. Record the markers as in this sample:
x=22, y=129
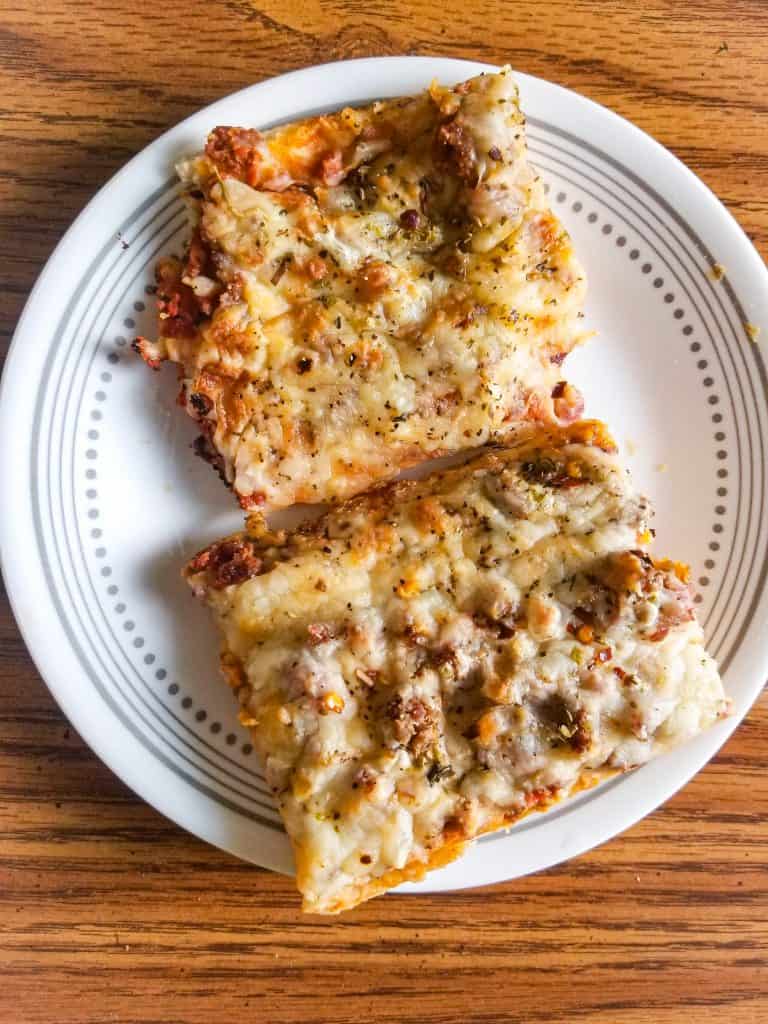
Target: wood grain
x=108, y=912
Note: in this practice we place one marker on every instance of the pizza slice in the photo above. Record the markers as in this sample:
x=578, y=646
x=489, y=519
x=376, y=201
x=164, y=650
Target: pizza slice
x=434, y=659
x=365, y=290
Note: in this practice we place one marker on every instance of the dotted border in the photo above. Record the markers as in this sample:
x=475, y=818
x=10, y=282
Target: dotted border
x=119, y=608
x=114, y=356
x=694, y=347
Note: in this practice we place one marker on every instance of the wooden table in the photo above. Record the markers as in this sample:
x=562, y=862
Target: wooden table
x=108, y=912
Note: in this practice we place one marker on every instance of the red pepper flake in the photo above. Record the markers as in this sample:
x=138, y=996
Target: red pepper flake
x=320, y=633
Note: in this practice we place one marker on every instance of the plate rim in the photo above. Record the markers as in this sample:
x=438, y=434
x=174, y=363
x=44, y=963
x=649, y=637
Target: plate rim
x=83, y=718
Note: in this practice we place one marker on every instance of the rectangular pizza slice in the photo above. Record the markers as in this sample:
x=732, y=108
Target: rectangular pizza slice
x=436, y=658
x=367, y=289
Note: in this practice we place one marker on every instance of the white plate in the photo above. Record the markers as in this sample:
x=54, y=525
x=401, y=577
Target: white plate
x=103, y=500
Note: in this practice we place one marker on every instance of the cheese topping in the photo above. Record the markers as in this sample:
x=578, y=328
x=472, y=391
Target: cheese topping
x=435, y=659
x=368, y=289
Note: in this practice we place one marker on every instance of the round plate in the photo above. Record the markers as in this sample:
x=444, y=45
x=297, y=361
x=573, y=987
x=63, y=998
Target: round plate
x=104, y=501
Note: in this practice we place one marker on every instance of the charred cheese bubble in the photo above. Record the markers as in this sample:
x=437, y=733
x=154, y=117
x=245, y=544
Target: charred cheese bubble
x=488, y=640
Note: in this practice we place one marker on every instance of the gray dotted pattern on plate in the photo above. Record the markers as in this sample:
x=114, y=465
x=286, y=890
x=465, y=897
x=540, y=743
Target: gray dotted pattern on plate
x=695, y=347
x=113, y=357
x=159, y=224
x=119, y=609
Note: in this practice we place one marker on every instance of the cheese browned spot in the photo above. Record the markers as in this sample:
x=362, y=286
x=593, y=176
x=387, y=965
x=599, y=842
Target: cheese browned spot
x=434, y=659
x=368, y=289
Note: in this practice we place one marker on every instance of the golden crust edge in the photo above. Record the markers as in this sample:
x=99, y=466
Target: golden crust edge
x=415, y=869
x=592, y=433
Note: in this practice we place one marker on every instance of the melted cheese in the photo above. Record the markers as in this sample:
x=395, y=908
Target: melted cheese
x=406, y=293
x=436, y=658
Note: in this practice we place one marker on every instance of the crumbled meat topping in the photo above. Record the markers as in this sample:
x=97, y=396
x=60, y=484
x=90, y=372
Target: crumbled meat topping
x=367, y=289
x=494, y=636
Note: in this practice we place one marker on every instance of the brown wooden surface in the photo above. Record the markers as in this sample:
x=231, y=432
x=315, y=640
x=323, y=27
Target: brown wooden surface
x=108, y=912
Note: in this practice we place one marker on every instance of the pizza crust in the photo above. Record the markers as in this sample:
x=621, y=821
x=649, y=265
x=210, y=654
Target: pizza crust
x=439, y=857
x=366, y=290
x=433, y=660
